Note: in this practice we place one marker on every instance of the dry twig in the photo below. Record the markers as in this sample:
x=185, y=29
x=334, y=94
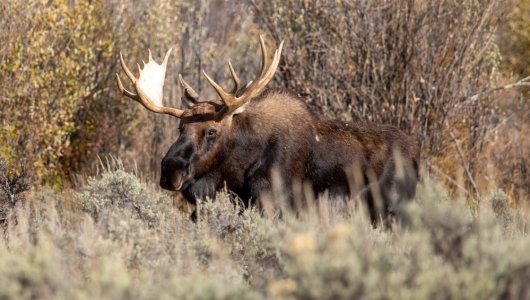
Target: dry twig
x=463, y=159
x=523, y=82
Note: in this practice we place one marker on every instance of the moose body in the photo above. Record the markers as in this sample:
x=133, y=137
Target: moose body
x=240, y=141
x=278, y=132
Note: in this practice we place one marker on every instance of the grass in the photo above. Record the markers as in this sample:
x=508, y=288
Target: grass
x=118, y=237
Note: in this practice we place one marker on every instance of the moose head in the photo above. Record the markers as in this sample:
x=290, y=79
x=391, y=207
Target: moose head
x=203, y=126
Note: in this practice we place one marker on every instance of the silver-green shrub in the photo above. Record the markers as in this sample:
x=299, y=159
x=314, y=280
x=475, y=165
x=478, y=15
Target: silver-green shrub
x=120, y=238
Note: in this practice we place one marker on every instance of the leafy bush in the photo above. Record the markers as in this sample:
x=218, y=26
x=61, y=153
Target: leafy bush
x=52, y=67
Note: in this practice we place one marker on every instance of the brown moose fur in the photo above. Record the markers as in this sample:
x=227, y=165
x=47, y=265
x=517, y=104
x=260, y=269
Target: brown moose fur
x=277, y=131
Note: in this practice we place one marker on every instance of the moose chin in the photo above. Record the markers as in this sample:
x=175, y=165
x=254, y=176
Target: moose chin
x=250, y=132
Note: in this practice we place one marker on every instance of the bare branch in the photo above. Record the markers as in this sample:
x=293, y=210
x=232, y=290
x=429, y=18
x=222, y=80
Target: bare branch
x=450, y=179
x=463, y=159
x=523, y=82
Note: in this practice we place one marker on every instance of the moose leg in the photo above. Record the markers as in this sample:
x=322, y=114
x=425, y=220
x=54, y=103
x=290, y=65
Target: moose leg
x=376, y=194
x=368, y=198
x=397, y=186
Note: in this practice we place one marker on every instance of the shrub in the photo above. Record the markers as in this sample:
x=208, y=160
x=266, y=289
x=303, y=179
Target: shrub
x=407, y=63
x=31, y=273
x=49, y=72
x=12, y=183
x=444, y=252
x=129, y=242
x=123, y=191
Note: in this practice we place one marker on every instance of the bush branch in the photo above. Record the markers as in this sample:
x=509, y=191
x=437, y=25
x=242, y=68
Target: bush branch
x=463, y=159
x=523, y=82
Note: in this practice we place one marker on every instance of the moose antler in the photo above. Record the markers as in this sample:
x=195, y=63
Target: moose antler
x=231, y=100
x=149, y=86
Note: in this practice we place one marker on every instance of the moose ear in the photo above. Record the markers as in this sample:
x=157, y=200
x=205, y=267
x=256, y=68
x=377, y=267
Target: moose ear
x=239, y=110
x=189, y=96
x=242, y=90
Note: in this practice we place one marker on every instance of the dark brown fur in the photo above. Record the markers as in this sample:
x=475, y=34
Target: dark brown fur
x=277, y=130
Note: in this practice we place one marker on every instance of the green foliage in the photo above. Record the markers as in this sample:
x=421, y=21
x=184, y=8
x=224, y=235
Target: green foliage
x=46, y=76
x=129, y=242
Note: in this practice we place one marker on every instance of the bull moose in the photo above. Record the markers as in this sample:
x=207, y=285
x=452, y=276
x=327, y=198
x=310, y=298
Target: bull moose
x=238, y=140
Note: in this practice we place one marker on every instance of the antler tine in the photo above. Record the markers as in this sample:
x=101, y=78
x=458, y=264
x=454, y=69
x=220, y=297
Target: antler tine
x=125, y=91
x=237, y=83
x=226, y=97
x=264, y=58
x=274, y=64
x=131, y=77
x=166, y=57
x=152, y=78
x=126, y=69
x=262, y=80
x=231, y=101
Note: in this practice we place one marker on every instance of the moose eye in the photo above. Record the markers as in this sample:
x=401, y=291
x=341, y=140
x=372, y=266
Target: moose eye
x=212, y=132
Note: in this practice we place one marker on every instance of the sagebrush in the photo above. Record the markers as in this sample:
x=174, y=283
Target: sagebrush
x=118, y=237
